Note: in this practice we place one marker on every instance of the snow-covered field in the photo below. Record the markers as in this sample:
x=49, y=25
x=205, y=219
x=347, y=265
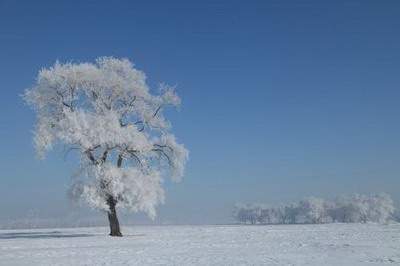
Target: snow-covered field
x=332, y=244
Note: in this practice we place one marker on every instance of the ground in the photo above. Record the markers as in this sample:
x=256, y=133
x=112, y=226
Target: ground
x=332, y=244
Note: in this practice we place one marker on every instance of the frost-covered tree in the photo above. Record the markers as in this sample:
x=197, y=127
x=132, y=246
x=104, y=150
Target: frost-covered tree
x=240, y=213
x=311, y=210
x=271, y=215
x=289, y=213
x=248, y=213
x=350, y=209
x=381, y=208
x=106, y=112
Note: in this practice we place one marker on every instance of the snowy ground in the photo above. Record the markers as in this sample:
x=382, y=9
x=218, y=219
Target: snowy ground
x=334, y=244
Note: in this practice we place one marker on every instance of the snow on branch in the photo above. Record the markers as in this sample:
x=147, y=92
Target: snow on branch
x=107, y=112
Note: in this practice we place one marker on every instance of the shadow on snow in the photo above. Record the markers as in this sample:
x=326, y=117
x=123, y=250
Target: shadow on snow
x=54, y=234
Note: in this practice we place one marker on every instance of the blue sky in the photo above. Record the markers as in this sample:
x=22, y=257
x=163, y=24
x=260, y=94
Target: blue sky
x=280, y=100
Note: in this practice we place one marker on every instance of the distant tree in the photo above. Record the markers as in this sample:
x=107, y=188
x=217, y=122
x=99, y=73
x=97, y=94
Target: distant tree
x=248, y=213
x=311, y=210
x=265, y=215
x=240, y=213
x=255, y=214
x=380, y=208
x=289, y=213
x=106, y=112
x=271, y=215
x=350, y=209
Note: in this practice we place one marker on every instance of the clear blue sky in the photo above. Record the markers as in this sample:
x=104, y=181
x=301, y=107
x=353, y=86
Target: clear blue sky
x=281, y=99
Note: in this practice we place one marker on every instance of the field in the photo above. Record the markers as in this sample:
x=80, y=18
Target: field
x=332, y=244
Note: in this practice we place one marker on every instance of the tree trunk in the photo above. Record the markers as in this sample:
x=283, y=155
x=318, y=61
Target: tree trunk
x=112, y=218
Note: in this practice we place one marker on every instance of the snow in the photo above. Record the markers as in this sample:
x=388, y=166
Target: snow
x=327, y=244
x=106, y=112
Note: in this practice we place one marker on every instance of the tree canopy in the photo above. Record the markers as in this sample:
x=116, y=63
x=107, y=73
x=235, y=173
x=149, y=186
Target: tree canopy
x=107, y=112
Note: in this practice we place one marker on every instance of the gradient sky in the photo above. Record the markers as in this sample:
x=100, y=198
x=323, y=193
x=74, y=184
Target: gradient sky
x=281, y=99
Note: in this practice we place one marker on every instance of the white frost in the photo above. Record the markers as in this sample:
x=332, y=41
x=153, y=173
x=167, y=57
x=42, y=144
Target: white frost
x=106, y=111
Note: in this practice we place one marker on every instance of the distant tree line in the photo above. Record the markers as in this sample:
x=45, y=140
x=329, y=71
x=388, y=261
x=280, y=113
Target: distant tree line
x=349, y=209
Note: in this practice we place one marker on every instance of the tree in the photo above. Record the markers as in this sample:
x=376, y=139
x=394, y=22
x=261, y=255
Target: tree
x=106, y=112
x=289, y=213
x=311, y=210
x=381, y=208
x=352, y=209
x=247, y=213
x=346, y=209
